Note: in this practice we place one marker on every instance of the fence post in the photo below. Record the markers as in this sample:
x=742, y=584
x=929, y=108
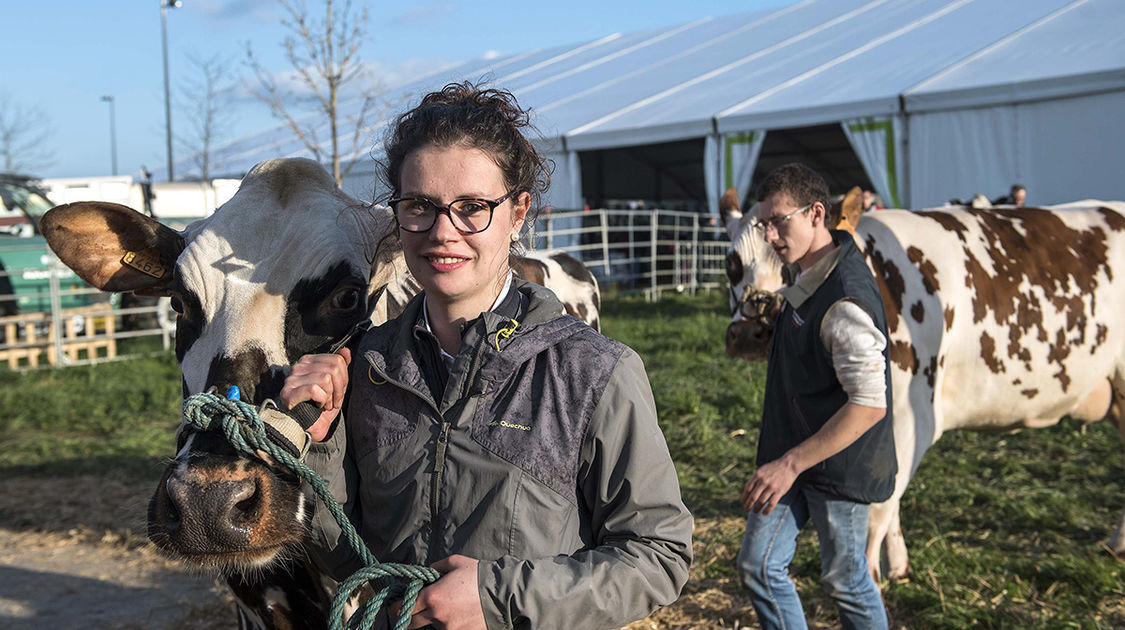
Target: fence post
x=632, y=252
x=605, y=243
x=694, y=253
x=163, y=322
x=654, y=218
x=677, y=270
x=550, y=239
x=53, y=265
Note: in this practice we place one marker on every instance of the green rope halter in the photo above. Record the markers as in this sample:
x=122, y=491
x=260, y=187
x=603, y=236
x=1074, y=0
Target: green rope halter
x=240, y=423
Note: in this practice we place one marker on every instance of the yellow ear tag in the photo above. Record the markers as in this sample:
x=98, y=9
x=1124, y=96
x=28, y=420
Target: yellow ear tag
x=147, y=263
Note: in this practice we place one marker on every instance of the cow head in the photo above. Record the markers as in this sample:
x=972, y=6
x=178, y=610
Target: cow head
x=755, y=273
x=280, y=270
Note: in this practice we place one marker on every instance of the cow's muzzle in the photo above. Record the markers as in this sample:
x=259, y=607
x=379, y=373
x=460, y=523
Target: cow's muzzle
x=748, y=338
x=222, y=511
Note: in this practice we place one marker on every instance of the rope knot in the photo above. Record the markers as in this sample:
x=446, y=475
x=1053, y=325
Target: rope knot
x=244, y=429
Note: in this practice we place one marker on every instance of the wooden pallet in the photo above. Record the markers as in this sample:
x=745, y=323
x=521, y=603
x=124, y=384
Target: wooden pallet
x=78, y=336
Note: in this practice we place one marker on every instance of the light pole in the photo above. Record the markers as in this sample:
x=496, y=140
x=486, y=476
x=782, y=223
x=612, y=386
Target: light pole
x=164, y=6
x=112, y=133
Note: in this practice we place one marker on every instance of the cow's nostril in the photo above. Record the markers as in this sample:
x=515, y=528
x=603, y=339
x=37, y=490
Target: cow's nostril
x=176, y=492
x=245, y=503
x=172, y=518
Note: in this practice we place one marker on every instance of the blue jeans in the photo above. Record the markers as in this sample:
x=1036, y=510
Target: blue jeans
x=771, y=541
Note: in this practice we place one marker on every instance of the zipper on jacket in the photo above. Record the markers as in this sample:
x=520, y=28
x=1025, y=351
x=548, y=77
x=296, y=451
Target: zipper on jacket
x=435, y=484
x=439, y=453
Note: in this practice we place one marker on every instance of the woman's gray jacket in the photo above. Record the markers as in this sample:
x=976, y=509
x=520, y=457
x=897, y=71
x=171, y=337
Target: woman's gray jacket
x=542, y=459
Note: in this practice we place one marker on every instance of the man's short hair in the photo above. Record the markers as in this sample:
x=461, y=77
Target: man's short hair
x=803, y=185
x=1016, y=188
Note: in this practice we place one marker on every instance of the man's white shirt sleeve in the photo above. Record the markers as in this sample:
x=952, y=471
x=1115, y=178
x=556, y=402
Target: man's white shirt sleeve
x=856, y=346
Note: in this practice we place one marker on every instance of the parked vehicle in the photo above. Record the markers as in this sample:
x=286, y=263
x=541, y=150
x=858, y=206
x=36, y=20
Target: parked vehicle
x=26, y=263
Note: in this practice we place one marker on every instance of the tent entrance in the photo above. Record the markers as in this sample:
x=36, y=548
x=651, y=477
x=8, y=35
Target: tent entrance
x=824, y=148
x=668, y=175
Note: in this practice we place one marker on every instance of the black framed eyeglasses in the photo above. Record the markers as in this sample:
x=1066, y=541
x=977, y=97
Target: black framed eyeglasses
x=777, y=222
x=469, y=216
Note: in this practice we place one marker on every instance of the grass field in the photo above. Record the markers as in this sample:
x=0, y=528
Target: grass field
x=1004, y=531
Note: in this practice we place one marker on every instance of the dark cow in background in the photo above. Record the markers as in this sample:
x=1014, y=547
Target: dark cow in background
x=998, y=319
x=284, y=268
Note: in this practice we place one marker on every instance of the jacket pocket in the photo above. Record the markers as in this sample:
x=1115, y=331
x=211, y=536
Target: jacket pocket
x=381, y=415
x=803, y=426
x=543, y=522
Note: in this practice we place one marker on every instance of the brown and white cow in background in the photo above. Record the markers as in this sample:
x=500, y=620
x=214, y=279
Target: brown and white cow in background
x=998, y=319
x=282, y=269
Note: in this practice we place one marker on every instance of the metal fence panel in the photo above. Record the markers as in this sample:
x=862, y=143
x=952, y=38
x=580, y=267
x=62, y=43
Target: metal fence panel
x=61, y=321
x=48, y=317
x=639, y=251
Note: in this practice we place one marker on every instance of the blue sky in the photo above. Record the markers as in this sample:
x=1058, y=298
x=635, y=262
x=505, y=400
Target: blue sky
x=62, y=56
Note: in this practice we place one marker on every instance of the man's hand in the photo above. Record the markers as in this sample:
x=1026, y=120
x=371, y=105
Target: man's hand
x=768, y=485
x=774, y=479
x=453, y=602
x=322, y=379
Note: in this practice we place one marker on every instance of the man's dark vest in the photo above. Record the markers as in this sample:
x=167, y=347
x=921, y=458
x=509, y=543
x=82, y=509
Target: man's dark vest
x=802, y=391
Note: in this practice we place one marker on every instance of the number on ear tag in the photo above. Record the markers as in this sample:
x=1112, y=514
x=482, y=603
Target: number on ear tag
x=147, y=263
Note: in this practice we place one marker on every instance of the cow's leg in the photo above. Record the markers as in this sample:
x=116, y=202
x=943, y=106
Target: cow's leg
x=879, y=522
x=898, y=563
x=884, y=536
x=1116, y=541
x=915, y=431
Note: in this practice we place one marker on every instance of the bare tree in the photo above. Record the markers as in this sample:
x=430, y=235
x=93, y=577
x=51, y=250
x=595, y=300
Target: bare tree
x=323, y=54
x=207, y=96
x=24, y=136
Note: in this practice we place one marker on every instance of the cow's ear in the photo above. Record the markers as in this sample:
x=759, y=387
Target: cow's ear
x=112, y=247
x=850, y=209
x=730, y=211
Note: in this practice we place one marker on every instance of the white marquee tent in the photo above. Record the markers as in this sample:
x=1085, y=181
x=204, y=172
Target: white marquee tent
x=922, y=99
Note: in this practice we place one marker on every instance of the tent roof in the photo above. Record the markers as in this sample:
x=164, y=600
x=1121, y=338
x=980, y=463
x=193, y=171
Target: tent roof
x=811, y=62
x=1076, y=49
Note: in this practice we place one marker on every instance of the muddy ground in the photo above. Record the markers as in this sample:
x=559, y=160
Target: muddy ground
x=72, y=556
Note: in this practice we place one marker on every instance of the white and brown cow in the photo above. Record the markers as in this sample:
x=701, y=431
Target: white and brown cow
x=285, y=267
x=998, y=319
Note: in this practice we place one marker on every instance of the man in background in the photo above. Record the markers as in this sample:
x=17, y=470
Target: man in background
x=1017, y=195
x=826, y=450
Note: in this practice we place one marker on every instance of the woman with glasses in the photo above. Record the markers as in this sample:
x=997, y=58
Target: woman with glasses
x=488, y=434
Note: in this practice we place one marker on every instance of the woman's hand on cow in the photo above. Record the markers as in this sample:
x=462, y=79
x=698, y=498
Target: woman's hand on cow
x=770, y=482
x=323, y=380
x=453, y=602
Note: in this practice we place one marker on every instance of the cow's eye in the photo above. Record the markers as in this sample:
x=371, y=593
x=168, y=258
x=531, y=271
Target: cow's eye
x=734, y=268
x=346, y=300
x=177, y=304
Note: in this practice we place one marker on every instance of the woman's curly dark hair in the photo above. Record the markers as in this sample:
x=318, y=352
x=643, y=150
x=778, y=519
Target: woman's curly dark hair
x=464, y=114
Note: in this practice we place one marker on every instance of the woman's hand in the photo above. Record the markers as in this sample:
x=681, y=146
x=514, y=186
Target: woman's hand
x=453, y=602
x=323, y=380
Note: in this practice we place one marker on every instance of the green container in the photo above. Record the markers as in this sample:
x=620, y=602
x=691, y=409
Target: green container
x=26, y=263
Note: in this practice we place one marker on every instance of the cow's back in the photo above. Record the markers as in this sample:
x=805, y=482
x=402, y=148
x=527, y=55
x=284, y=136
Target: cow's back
x=1003, y=318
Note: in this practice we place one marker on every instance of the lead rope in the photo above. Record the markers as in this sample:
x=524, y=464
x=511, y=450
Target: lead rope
x=244, y=429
